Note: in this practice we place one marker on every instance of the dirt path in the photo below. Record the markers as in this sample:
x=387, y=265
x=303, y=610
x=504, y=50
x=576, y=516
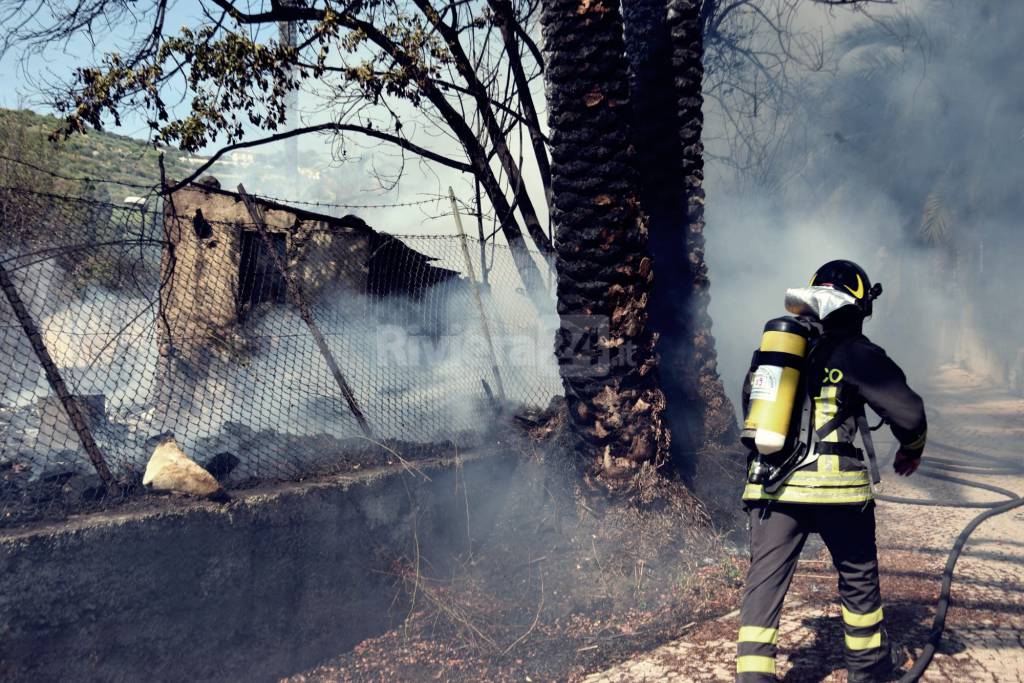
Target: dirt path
x=984, y=637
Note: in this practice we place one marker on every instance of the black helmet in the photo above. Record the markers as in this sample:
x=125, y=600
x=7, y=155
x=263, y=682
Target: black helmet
x=848, y=277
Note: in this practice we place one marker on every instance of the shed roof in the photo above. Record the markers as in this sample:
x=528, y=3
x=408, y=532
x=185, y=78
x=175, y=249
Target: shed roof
x=394, y=266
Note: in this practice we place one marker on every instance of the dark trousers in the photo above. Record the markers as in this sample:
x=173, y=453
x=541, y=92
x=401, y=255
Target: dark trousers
x=777, y=535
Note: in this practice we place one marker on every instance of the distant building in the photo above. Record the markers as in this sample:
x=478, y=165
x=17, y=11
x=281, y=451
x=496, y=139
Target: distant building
x=241, y=159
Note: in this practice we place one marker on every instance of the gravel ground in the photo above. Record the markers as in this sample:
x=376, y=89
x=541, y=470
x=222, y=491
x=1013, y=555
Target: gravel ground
x=984, y=636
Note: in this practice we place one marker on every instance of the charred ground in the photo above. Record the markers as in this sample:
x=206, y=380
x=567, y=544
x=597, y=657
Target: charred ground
x=568, y=581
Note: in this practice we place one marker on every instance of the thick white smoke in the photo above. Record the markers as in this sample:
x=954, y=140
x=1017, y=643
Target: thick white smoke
x=417, y=366
x=905, y=157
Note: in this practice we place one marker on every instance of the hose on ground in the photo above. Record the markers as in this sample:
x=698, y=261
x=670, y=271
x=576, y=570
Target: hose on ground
x=928, y=469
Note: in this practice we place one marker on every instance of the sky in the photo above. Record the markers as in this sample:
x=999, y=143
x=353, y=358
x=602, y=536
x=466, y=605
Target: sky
x=23, y=75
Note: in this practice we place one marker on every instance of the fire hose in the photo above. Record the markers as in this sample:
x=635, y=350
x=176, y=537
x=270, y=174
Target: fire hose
x=934, y=468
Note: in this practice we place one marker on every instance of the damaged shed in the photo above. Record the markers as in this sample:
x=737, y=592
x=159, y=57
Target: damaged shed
x=217, y=270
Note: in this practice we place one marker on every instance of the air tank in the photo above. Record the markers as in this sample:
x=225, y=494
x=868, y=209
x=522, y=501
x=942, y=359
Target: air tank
x=773, y=385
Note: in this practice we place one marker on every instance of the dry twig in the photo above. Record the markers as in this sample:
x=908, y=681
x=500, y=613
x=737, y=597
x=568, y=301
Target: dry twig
x=405, y=463
x=536, y=618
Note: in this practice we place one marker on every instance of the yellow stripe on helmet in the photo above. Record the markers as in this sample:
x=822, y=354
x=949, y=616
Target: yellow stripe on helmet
x=859, y=292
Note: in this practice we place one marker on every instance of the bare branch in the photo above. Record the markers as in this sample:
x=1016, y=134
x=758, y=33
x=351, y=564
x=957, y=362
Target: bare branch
x=325, y=127
x=506, y=21
x=494, y=132
x=277, y=13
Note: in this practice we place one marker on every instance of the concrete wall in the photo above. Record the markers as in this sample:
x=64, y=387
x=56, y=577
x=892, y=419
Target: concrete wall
x=266, y=586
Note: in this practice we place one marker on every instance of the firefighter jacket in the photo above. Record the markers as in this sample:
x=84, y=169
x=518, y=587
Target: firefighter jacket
x=845, y=371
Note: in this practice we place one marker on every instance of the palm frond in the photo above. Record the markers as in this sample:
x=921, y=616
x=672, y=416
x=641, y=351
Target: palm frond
x=936, y=220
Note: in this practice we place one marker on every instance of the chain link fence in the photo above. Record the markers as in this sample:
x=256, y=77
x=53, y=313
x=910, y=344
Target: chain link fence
x=175, y=317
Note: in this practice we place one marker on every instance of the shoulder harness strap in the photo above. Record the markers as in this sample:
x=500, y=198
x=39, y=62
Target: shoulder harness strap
x=869, y=446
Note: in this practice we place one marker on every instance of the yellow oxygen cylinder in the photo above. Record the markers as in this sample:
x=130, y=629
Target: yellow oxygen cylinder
x=773, y=385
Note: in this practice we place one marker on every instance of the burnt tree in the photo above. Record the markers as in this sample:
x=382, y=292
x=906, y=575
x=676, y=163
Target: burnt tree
x=665, y=43
x=665, y=83
x=693, y=346
x=606, y=346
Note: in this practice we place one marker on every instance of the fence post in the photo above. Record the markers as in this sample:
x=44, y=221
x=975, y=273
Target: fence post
x=476, y=296
x=56, y=381
x=480, y=232
x=307, y=315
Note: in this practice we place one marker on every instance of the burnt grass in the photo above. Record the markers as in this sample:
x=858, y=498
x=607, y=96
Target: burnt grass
x=568, y=581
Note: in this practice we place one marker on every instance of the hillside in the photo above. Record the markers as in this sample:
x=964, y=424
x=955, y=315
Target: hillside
x=101, y=155
x=95, y=155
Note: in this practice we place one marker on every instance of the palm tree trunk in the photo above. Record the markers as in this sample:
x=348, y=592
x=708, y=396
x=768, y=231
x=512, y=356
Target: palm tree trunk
x=606, y=348
x=663, y=195
x=666, y=75
x=693, y=358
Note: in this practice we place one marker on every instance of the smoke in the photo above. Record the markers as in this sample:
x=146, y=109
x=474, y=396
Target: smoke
x=416, y=367
x=417, y=364
x=905, y=157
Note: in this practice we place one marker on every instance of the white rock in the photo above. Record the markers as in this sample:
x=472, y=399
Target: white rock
x=170, y=470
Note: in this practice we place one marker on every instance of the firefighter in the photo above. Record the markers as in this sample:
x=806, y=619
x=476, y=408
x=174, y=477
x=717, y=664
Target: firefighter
x=828, y=491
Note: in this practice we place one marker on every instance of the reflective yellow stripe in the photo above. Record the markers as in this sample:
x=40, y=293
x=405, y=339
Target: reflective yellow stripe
x=755, y=664
x=812, y=478
x=825, y=409
x=808, y=494
x=758, y=634
x=919, y=442
x=864, y=642
x=784, y=342
x=828, y=463
x=862, y=620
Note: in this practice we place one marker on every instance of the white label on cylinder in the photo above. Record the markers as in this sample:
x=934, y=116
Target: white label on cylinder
x=764, y=384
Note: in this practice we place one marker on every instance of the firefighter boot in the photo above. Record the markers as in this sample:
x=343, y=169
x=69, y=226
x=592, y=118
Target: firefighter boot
x=886, y=670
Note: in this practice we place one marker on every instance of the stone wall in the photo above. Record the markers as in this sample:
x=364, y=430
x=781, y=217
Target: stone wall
x=269, y=585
